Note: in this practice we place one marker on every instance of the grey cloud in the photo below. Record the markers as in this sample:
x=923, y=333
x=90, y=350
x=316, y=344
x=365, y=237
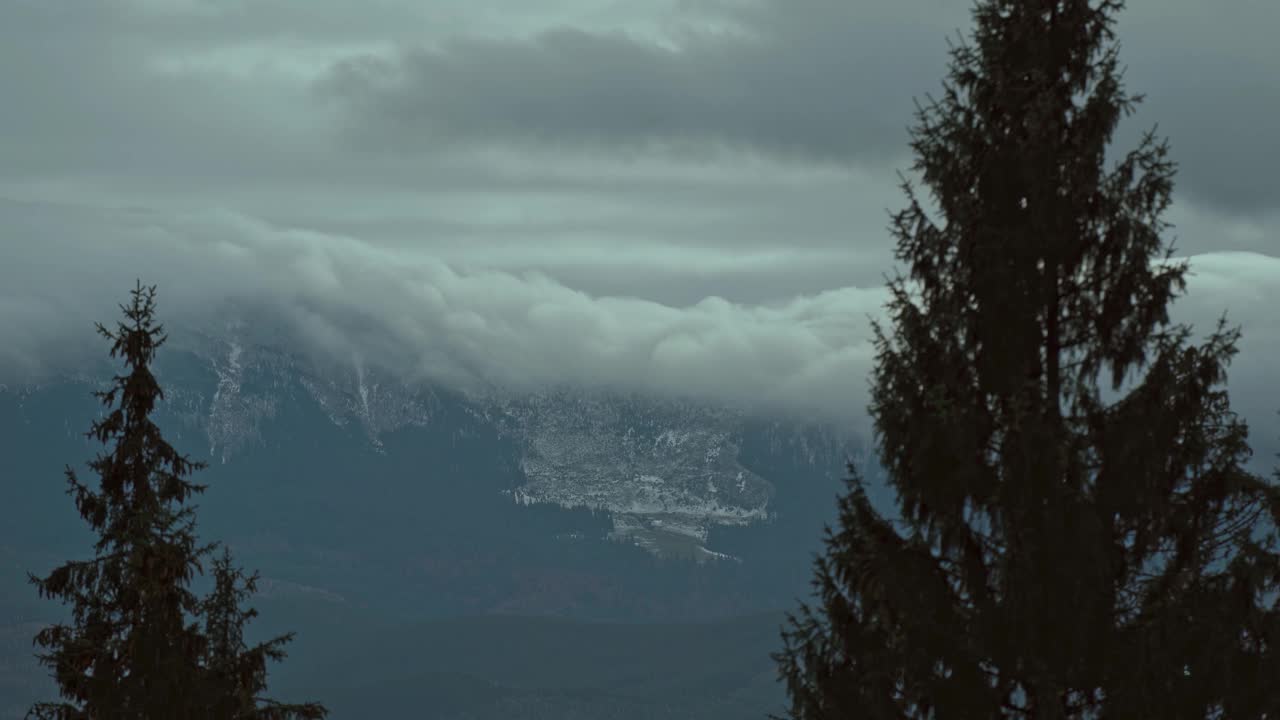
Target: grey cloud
x=745, y=151
x=93, y=120
x=804, y=82
x=1219, y=115
x=818, y=98
x=412, y=314
x=89, y=102
x=1207, y=71
x=812, y=80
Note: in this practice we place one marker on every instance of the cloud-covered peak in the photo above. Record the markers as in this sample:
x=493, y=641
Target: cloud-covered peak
x=347, y=301
x=676, y=194
x=413, y=314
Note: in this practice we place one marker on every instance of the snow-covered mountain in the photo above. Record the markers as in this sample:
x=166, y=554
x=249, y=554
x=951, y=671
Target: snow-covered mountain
x=665, y=471
x=344, y=477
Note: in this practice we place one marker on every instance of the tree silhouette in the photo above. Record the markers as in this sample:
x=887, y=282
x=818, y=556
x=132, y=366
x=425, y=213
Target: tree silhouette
x=1058, y=555
x=239, y=672
x=134, y=648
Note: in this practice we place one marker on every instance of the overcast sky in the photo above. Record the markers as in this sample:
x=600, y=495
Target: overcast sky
x=688, y=194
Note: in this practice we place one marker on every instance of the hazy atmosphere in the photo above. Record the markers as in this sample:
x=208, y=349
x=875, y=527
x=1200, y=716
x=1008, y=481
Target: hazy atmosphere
x=684, y=196
x=529, y=347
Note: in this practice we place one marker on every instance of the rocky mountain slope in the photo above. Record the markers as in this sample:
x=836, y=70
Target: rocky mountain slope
x=343, y=478
x=665, y=471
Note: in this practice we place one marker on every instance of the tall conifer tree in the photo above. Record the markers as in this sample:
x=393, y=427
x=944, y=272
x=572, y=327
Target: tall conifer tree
x=1058, y=555
x=134, y=649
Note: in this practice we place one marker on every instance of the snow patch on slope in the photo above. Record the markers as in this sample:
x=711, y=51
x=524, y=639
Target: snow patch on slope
x=375, y=404
x=236, y=414
x=666, y=471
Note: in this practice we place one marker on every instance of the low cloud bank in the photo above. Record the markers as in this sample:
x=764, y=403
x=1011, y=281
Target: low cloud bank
x=413, y=314
x=67, y=266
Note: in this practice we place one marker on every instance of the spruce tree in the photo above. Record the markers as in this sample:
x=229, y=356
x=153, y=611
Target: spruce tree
x=134, y=649
x=1058, y=554
x=237, y=671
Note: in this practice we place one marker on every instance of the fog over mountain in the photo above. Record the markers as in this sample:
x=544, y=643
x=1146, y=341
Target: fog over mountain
x=407, y=312
x=678, y=196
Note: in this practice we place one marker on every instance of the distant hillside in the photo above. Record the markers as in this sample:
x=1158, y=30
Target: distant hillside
x=429, y=503
x=379, y=512
x=481, y=668
x=519, y=667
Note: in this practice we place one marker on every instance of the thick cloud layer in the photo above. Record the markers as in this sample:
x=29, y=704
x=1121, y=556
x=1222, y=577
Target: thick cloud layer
x=815, y=80
x=474, y=190
x=410, y=313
